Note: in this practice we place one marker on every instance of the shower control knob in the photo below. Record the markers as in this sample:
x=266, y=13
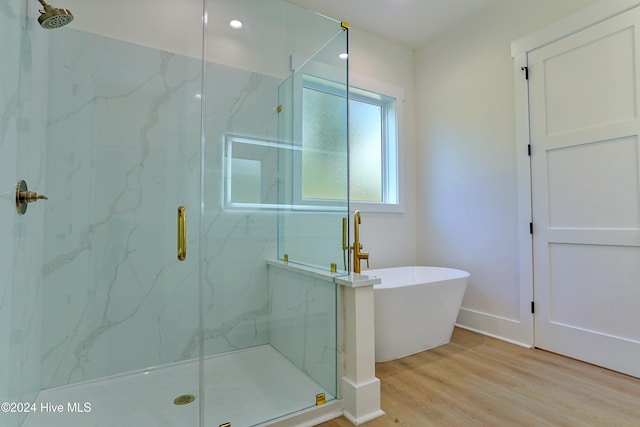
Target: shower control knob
x=24, y=197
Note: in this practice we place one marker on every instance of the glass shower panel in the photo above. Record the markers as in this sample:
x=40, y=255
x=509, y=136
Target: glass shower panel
x=314, y=187
x=248, y=378
x=120, y=313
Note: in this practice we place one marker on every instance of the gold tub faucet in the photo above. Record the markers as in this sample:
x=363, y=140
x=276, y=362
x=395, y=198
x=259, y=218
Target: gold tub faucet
x=358, y=255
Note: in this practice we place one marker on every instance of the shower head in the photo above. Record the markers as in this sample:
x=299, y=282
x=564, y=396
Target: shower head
x=52, y=17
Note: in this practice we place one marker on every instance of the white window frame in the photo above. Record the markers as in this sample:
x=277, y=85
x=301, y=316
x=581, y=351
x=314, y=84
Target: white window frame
x=392, y=188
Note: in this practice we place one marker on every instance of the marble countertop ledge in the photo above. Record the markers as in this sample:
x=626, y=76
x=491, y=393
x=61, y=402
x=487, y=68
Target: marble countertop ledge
x=351, y=280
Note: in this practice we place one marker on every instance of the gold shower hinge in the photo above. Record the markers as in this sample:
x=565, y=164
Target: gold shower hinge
x=321, y=399
x=225, y=425
x=345, y=25
x=279, y=108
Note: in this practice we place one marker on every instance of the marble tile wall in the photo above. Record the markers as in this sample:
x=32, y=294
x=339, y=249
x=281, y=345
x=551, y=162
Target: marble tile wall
x=303, y=318
x=9, y=99
x=237, y=242
x=124, y=152
x=23, y=78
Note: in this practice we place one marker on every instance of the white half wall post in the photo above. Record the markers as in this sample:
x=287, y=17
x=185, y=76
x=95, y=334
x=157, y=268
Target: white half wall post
x=360, y=387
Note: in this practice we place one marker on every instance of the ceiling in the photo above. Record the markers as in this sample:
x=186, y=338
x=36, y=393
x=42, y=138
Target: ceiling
x=408, y=22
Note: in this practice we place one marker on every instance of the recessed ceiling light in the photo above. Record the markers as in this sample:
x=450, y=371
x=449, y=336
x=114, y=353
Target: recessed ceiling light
x=235, y=24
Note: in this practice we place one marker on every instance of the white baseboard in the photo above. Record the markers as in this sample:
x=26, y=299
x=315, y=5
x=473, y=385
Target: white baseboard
x=362, y=401
x=493, y=326
x=361, y=420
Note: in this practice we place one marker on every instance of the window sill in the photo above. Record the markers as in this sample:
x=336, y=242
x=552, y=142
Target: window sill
x=376, y=207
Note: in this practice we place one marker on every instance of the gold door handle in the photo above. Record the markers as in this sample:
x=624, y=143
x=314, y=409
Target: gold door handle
x=182, y=233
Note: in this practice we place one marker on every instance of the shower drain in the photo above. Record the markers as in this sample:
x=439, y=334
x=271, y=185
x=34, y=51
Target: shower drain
x=185, y=399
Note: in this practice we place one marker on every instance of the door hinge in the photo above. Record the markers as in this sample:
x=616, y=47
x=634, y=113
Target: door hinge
x=530, y=228
x=526, y=72
x=529, y=150
x=533, y=307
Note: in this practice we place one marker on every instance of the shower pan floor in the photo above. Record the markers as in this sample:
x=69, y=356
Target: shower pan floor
x=244, y=388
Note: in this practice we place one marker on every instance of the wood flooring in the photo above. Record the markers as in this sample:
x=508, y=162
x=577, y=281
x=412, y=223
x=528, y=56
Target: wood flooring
x=480, y=381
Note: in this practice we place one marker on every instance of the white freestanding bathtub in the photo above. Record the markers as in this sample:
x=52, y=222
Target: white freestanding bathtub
x=415, y=308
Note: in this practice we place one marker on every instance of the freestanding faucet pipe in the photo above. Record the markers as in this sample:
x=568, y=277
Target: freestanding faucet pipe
x=358, y=255
x=345, y=246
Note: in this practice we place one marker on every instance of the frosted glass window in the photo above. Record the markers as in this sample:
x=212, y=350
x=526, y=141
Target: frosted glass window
x=324, y=160
x=365, y=137
x=372, y=139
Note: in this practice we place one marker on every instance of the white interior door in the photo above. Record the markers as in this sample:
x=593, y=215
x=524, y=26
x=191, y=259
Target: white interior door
x=586, y=194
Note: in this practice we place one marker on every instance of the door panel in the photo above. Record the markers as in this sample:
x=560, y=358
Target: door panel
x=583, y=176
x=572, y=101
x=586, y=194
x=606, y=276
